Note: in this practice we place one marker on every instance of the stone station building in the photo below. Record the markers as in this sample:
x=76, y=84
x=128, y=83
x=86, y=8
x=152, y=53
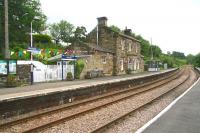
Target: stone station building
x=113, y=52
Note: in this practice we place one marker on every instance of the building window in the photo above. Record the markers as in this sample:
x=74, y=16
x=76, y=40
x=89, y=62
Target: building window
x=134, y=65
x=129, y=47
x=104, y=59
x=130, y=64
x=138, y=65
x=123, y=44
x=136, y=48
x=121, y=64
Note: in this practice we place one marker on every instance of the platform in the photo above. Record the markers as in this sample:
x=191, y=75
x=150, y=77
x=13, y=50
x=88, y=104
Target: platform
x=182, y=117
x=45, y=88
x=15, y=102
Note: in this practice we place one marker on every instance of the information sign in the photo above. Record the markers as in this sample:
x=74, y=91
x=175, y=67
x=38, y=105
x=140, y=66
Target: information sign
x=3, y=67
x=12, y=66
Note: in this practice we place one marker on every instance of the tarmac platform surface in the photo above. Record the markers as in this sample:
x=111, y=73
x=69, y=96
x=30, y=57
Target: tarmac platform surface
x=183, y=117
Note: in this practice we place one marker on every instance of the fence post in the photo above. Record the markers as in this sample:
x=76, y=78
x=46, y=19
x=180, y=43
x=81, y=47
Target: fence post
x=31, y=74
x=62, y=70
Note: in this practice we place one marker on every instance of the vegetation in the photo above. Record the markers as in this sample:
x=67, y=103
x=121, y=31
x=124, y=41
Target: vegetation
x=42, y=38
x=194, y=59
x=62, y=31
x=79, y=68
x=79, y=34
x=115, y=28
x=23, y=12
x=179, y=55
x=69, y=76
x=128, y=71
x=11, y=81
x=197, y=60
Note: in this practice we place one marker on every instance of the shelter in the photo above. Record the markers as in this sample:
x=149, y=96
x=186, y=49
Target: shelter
x=153, y=65
x=62, y=61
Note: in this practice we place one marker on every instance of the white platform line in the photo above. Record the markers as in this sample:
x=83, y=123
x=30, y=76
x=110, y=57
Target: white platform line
x=165, y=110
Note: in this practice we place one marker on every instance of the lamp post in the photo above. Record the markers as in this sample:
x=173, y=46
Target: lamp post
x=31, y=38
x=35, y=18
x=31, y=32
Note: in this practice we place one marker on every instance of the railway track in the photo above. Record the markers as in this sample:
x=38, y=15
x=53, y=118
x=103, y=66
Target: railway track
x=104, y=127
x=124, y=94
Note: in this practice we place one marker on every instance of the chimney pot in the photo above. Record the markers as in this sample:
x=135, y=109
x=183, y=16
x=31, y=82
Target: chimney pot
x=102, y=21
x=127, y=31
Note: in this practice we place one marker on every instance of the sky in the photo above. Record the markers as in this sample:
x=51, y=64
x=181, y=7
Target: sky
x=173, y=25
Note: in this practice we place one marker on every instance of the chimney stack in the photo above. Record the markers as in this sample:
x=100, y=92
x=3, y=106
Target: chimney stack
x=102, y=21
x=127, y=31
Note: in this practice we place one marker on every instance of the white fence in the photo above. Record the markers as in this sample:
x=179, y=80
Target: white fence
x=43, y=73
x=52, y=73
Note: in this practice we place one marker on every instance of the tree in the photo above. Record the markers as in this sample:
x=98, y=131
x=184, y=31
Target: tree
x=179, y=55
x=197, y=60
x=80, y=33
x=190, y=59
x=55, y=32
x=42, y=38
x=21, y=13
x=115, y=28
x=156, y=51
x=145, y=47
x=62, y=31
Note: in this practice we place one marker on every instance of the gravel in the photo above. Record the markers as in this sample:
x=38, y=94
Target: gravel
x=59, y=115
x=89, y=122
x=142, y=116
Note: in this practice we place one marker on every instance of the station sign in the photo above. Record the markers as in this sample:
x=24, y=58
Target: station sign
x=34, y=50
x=69, y=57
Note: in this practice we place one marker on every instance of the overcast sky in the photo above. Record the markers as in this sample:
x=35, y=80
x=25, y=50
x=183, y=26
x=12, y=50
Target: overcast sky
x=173, y=25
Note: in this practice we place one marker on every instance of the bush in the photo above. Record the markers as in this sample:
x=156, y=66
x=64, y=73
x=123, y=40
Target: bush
x=79, y=68
x=128, y=71
x=1, y=56
x=41, y=38
x=69, y=76
x=11, y=81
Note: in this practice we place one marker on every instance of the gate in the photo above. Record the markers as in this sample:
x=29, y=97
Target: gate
x=56, y=72
x=52, y=73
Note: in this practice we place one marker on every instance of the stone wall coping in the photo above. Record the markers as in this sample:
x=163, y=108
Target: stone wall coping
x=36, y=93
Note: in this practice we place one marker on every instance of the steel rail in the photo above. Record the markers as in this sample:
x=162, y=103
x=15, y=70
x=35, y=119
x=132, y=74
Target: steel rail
x=56, y=122
x=71, y=105
x=105, y=126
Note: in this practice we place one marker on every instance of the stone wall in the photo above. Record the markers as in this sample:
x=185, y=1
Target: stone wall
x=96, y=61
x=106, y=38
x=24, y=74
x=112, y=40
x=128, y=57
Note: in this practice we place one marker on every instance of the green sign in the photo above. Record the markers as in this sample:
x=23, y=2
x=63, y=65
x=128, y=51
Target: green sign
x=3, y=67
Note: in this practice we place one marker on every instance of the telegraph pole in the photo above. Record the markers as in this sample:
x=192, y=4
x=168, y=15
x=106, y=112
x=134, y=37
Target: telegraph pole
x=151, y=50
x=6, y=54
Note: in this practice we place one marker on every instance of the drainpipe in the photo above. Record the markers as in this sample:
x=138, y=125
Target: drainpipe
x=97, y=34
